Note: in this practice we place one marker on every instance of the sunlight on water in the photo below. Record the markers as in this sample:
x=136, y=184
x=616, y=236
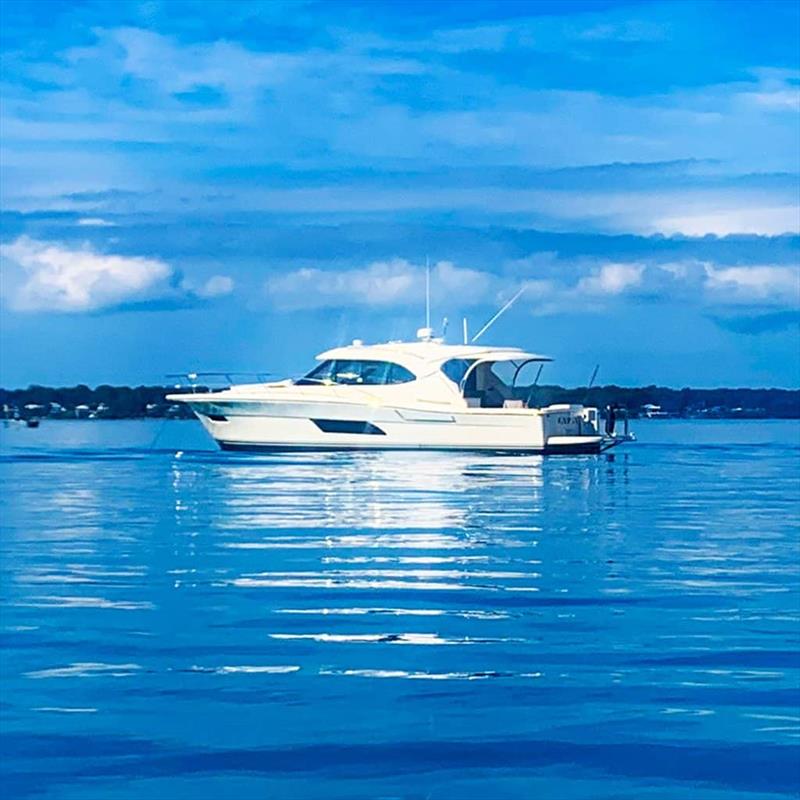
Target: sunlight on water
x=400, y=624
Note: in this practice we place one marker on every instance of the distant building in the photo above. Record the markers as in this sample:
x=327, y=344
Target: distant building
x=651, y=410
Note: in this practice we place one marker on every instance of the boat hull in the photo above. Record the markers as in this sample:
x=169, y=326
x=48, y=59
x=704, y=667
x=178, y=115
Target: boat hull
x=576, y=449
x=358, y=427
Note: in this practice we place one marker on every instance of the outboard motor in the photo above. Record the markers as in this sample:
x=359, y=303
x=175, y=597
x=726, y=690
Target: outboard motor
x=611, y=420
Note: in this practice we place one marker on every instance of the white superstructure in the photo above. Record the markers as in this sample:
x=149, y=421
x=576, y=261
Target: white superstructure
x=401, y=395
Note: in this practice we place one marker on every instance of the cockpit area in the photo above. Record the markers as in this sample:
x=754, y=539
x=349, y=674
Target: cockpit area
x=485, y=383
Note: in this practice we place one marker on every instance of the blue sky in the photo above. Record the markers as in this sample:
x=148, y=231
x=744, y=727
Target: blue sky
x=208, y=185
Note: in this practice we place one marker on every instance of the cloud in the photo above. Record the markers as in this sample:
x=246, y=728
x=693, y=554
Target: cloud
x=686, y=198
x=187, y=106
x=574, y=33
x=747, y=218
x=224, y=80
x=778, y=90
x=216, y=286
x=179, y=69
x=78, y=279
x=380, y=284
x=753, y=285
x=553, y=286
x=95, y=222
x=612, y=279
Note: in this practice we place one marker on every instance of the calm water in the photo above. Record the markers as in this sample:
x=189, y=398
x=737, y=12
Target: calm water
x=182, y=623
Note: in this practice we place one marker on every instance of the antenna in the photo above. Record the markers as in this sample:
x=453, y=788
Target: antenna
x=466, y=333
x=427, y=293
x=591, y=383
x=426, y=334
x=499, y=314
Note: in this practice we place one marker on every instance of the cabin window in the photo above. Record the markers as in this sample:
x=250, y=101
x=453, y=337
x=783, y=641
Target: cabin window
x=456, y=368
x=361, y=373
x=399, y=374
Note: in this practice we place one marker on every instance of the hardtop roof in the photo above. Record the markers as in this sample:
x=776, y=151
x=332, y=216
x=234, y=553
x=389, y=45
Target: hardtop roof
x=430, y=352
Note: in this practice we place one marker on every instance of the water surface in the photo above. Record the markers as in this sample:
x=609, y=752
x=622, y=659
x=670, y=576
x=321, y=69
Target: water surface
x=183, y=623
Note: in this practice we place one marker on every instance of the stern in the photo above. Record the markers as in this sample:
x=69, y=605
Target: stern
x=570, y=428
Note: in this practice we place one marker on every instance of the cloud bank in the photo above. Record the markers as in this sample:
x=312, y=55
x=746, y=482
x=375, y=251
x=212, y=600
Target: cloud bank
x=551, y=286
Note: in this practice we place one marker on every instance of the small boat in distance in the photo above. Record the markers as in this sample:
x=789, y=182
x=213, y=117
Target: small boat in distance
x=425, y=395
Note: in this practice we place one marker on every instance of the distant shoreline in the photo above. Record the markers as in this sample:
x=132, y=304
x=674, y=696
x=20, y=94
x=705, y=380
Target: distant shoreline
x=149, y=402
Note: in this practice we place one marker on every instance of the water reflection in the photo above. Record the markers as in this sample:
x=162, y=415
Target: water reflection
x=378, y=491
x=326, y=532
x=381, y=490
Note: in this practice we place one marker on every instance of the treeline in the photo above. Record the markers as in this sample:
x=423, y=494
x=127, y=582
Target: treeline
x=110, y=402
x=754, y=403
x=126, y=402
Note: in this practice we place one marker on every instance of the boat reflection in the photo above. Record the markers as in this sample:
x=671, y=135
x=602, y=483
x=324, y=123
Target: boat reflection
x=382, y=521
x=372, y=491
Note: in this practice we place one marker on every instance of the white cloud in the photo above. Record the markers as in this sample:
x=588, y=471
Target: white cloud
x=754, y=285
x=74, y=279
x=777, y=91
x=60, y=278
x=612, y=279
x=380, y=284
x=765, y=221
x=216, y=286
x=239, y=74
x=551, y=286
x=95, y=222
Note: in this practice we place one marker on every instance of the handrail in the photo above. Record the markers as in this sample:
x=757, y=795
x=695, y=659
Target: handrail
x=524, y=363
x=192, y=377
x=475, y=364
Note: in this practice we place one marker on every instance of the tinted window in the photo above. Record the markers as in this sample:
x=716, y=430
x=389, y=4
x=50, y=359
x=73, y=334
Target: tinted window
x=456, y=368
x=362, y=373
x=398, y=374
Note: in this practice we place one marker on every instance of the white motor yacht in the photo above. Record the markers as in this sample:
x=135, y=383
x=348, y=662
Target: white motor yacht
x=403, y=395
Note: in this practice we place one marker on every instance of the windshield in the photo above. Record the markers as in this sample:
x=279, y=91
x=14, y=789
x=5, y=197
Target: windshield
x=361, y=373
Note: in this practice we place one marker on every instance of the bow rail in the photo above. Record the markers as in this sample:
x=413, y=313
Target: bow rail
x=197, y=381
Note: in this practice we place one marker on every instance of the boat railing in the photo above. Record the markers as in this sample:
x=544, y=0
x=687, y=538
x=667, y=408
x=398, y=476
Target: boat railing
x=215, y=381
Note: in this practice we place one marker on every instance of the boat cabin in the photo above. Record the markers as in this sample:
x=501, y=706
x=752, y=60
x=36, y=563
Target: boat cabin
x=484, y=377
